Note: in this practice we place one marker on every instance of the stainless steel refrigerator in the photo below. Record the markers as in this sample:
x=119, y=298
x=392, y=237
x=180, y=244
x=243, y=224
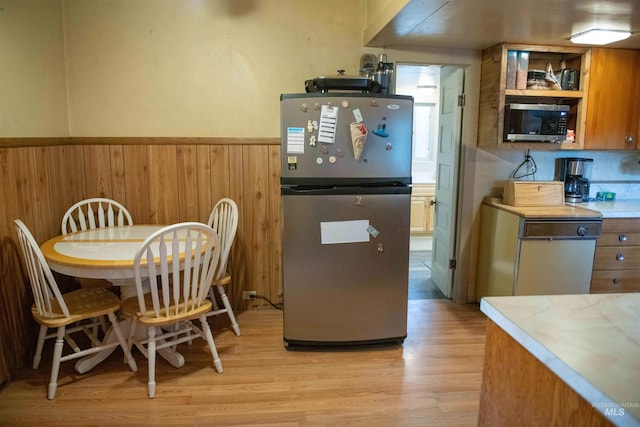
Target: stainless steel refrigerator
x=346, y=198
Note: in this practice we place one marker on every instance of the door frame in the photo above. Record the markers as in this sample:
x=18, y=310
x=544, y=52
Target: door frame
x=466, y=167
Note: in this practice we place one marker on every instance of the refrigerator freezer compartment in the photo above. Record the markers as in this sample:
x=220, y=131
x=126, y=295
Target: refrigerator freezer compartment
x=318, y=144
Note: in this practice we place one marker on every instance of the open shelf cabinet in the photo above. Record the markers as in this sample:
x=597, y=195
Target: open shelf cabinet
x=494, y=94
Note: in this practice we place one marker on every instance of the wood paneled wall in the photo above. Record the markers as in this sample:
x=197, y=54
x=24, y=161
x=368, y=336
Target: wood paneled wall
x=160, y=181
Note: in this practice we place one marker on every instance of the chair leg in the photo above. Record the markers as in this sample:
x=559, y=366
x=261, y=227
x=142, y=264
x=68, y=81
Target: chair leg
x=227, y=305
x=152, y=362
x=122, y=341
x=132, y=332
x=41, y=337
x=95, y=329
x=212, y=345
x=212, y=297
x=103, y=324
x=55, y=365
x=177, y=327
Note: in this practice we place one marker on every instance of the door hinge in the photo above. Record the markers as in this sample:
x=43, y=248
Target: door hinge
x=452, y=264
x=461, y=100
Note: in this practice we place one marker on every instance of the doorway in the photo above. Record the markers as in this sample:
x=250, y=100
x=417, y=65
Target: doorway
x=433, y=100
x=421, y=285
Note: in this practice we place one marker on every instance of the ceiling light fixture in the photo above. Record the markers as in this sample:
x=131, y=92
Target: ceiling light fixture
x=599, y=37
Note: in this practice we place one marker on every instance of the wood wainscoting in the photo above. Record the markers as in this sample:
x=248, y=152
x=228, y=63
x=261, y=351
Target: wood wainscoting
x=160, y=181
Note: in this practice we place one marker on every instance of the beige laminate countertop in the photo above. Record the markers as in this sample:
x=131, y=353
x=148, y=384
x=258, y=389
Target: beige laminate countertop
x=532, y=212
x=592, y=342
x=614, y=209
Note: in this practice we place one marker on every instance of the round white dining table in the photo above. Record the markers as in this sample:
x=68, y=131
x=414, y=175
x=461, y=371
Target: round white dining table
x=101, y=253
x=104, y=253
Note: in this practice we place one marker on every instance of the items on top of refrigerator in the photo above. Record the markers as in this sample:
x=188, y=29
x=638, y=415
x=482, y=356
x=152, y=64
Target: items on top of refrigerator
x=384, y=75
x=341, y=82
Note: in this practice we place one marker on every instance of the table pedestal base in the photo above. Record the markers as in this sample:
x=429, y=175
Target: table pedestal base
x=85, y=364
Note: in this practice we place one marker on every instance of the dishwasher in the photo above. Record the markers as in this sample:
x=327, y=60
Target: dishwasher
x=528, y=252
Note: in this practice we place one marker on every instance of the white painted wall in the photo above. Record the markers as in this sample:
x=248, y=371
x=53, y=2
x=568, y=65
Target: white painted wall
x=166, y=68
x=33, y=101
x=194, y=68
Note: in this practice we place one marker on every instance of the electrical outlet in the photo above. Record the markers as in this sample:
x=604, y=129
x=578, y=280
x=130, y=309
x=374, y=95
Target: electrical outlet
x=248, y=295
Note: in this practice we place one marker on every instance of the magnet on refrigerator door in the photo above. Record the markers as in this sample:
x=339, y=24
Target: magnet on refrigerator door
x=381, y=131
x=292, y=162
x=358, y=138
x=357, y=115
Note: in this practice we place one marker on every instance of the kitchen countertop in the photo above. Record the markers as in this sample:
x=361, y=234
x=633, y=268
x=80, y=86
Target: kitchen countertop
x=591, y=342
x=615, y=208
x=532, y=212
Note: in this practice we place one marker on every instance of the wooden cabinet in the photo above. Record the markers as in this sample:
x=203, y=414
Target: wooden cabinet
x=422, y=208
x=494, y=94
x=616, y=266
x=613, y=105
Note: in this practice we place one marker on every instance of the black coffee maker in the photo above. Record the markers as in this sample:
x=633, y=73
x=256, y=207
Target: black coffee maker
x=576, y=173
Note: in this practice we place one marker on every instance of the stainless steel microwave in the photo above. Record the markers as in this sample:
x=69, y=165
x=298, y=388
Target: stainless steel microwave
x=535, y=122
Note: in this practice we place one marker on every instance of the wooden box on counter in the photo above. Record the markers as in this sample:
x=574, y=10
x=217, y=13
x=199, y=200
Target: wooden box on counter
x=533, y=193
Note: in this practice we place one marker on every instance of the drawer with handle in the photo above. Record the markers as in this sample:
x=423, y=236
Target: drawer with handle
x=608, y=281
x=619, y=239
x=621, y=225
x=616, y=266
x=616, y=258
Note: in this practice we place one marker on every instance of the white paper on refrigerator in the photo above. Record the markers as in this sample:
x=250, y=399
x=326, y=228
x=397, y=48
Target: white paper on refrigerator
x=295, y=140
x=328, y=124
x=334, y=232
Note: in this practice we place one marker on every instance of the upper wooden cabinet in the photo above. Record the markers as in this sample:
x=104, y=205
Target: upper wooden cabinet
x=613, y=105
x=494, y=94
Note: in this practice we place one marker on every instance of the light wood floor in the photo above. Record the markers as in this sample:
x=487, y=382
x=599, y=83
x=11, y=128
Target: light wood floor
x=433, y=379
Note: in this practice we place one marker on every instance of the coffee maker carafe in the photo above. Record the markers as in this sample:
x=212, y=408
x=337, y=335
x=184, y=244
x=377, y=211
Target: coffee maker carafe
x=576, y=173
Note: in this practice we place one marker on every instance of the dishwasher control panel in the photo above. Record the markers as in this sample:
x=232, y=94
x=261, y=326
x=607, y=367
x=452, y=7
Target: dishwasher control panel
x=557, y=229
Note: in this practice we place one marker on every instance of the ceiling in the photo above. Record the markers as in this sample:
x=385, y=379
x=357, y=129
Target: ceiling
x=478, y=24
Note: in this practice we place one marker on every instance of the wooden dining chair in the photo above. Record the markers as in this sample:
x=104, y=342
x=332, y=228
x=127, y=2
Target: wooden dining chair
x=68, y=313
x=89, y=214
x=173, y=271
x=224, y=220
x=95, y=213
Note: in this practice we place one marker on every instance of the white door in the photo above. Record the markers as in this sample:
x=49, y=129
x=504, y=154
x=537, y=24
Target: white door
x=451, y=87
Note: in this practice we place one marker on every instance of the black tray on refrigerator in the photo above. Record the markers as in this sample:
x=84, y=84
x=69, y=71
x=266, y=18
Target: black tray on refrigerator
x=341, y=83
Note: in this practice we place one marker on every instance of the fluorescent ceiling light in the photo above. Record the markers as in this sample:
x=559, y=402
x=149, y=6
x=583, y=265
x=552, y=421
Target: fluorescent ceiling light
x=597, y=36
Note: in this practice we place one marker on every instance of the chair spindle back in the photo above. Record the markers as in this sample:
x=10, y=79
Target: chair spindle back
x=43, y=285
x=95, y=213
x=180, y=261
x=224, y=221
